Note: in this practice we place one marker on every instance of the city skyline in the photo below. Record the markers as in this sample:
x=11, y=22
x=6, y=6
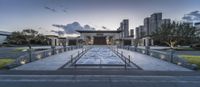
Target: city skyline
x=107, y=14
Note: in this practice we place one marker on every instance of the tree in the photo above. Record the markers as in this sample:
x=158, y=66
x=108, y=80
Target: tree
x=16, y=38
x=174, y=33
x=27, y=36
x=41, y=39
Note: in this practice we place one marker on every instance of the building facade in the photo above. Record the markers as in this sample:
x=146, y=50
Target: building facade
x=166, y=21
x=124, y=28
x=197, y=26
x=147, y=26
x=151, y=24
x=155, y=22
x=132, y=33
x=95, y=37
x=3, y=36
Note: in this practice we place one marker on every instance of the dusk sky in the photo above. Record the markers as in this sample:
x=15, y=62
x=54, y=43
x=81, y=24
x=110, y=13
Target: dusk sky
x=41, y=14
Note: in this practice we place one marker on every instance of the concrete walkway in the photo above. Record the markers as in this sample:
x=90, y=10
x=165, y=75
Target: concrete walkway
x=50, y=63
x=150, y=63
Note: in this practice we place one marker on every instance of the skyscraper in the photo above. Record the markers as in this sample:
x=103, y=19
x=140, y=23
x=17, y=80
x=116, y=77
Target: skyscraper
x=122, y=29
x=146, y=26
x=126, y=27
x=197, y=25
x=132, y=32
x=137, y=33
x=155, y=22
x=141, y=31
x=166, y=21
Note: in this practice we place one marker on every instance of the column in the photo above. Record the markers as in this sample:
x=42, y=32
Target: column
x=92, y=40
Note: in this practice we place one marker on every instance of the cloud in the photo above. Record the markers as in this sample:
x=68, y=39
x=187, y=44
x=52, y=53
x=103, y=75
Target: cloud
x=192, y=16
x=103, y=27
x=64, y=10
x=50, y=9
x=58, y=32
x=71, y=28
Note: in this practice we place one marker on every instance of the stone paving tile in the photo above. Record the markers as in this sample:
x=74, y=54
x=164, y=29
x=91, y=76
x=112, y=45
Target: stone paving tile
x=50, y=63
x=150, y=63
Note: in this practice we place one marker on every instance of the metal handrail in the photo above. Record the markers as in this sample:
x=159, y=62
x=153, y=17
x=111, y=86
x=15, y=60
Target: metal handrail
x=24, y=59
x=168, y=57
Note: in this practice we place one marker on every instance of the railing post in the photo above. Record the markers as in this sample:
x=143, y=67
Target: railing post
x=53, y=50
x=30, y=55
x=147, y=50
x=71, y=58
x=171, y=55
x=121, y=53
x=128, y=47
x=100, y=63
x=78, y=54
x=125, y=63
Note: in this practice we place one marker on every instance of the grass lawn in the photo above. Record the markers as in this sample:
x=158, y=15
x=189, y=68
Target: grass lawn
x=192, y=59
x=18, y=50
x=185, y=49
x=5, y=61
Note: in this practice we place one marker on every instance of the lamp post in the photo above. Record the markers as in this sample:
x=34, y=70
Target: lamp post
x=28, y=39
x=171, y=55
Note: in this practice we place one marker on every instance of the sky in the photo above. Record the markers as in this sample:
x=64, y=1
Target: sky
x=40, y=15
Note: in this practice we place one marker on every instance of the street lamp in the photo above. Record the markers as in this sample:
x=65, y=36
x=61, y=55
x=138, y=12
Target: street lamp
x=28, y=39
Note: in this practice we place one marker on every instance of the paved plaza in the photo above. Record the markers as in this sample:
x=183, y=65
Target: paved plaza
x=50, y=63
x=150, y=63
x=54, y=71
x=102, y=55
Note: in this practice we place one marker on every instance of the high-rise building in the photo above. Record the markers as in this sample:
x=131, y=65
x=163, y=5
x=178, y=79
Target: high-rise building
x=197, y=25
x=132, y=32
x=121, y=28
x=155, y=22
x=188, y=23
x=126, y=27
x=137, y=32
x=141, y=31
x=3, y=36
x=166, y=21
x=146, y=26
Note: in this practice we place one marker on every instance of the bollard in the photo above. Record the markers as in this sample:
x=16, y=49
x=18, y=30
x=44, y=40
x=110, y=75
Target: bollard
x=121, y=53
x=171, y=55
x=125, y=63
x=100, y=63
x=78, y=53
x=128, y=48
x=71, y=58
x=147, y=50
x=129, y=59
x=30, y=55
